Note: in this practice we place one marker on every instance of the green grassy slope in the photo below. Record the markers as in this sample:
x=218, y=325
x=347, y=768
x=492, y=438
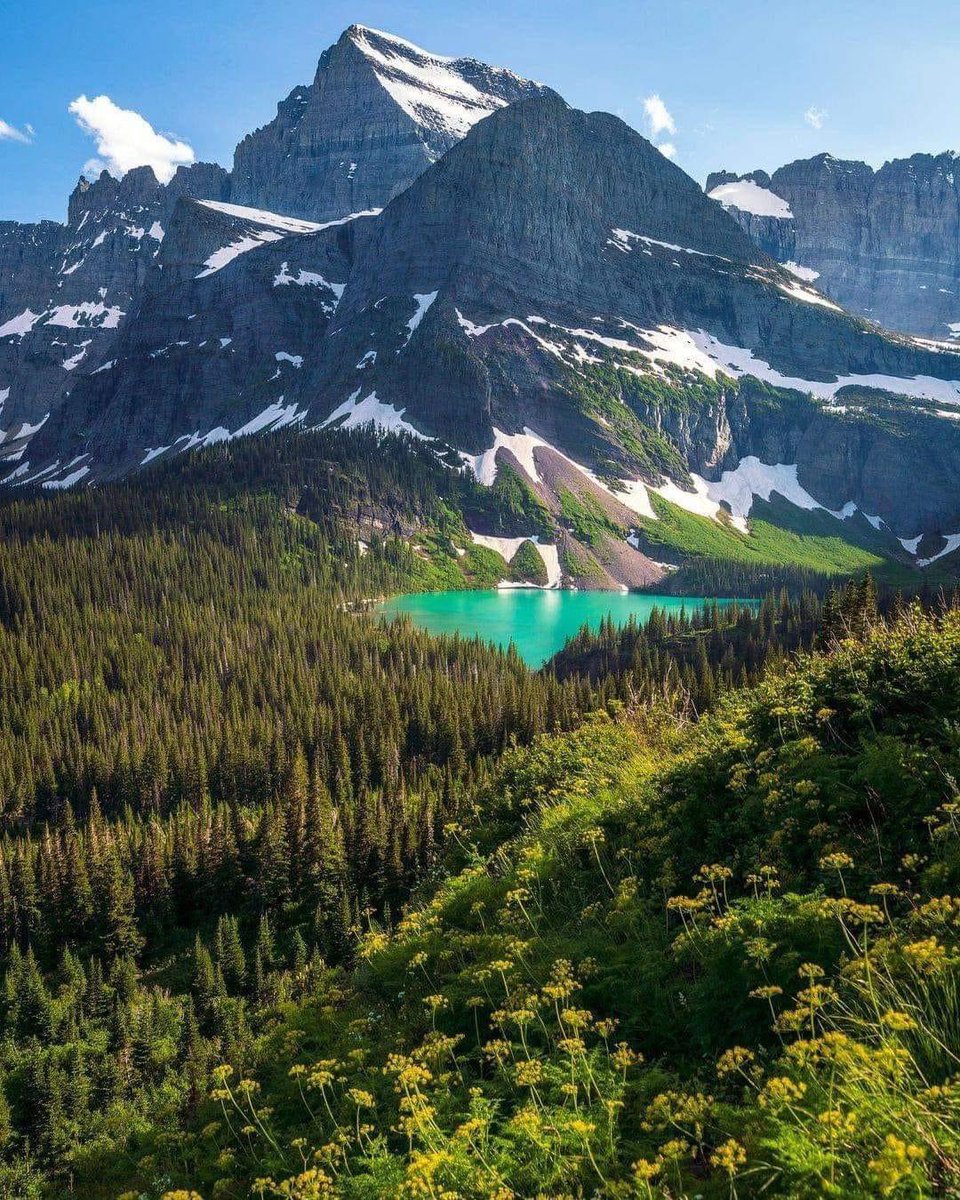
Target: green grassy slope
x=779, y=535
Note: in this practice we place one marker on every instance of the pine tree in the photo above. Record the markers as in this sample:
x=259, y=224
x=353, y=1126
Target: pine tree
x=32, y=1009
x=120, y=933
x=204, y=981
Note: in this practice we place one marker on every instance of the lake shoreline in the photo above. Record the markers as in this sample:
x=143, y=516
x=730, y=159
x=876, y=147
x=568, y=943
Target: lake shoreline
x=538, y=622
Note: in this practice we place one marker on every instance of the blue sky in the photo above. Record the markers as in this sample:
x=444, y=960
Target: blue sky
x=747, y=84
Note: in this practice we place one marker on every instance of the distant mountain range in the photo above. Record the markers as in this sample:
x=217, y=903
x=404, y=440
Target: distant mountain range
x=444, y=249
x=885, y=244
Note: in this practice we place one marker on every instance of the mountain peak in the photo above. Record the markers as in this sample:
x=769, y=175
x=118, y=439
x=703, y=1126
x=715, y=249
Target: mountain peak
x=138, y=187
x=444, y=94
x=509, y=183
x=365, y=36
x=380, y=110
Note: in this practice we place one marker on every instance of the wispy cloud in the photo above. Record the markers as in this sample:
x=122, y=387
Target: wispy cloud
x=126, y=140
x=658, y=116
x=10, y=133
x=659, y=122
x=815, y=117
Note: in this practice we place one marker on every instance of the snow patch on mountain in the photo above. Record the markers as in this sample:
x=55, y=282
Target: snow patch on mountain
x=699, y=501
x=736, y=361
x=951, y=543
x=751, y=479
x=473, y=330
x=354, y=412
x=306, y=279
x=428, y=87
x=807, y=274
x=520, y=445
x=275, y=416
x=507, y=548
x=226, y=254
x=423, y=301
x=750, y=197
x=272, y=227
x=71, y=364
x=257, y=216
x=808, y=296
x=625, y=239
x=631, y=494
x=88, y=315
x=700, y=351
x=21, y=324
x=68, y=480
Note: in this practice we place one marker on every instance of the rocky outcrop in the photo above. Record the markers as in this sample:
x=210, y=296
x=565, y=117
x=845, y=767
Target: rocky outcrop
x=379, y=111
x=65, y=290
x=884, y=244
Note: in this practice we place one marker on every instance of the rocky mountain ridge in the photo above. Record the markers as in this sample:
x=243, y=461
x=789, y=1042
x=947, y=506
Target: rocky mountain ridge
x=66, y=289
x=633, y=349
x=885, y=244
x=379, y=111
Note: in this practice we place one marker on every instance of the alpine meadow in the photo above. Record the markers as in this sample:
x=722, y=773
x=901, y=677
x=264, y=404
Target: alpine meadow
x=479, y=608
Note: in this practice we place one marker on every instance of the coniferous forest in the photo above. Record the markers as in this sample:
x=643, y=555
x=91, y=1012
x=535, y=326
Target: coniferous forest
x=295, y=903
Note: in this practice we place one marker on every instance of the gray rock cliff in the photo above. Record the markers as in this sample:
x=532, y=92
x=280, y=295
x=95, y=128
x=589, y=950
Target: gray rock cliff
x=884, y=244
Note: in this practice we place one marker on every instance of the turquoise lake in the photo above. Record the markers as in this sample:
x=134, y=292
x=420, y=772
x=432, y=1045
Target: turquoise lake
x=537, y=622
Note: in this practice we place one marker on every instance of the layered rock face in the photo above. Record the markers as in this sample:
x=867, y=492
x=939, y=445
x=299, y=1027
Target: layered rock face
x=884, y=244
x=379, y=111
x=551, y=245
x=66, y=289
x=239, y=300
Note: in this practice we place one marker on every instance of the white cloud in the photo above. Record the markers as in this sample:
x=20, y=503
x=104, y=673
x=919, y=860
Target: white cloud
x=658, y=116
x=660, y=121
x=10, y=133
x=815, y=116
x=126, y=140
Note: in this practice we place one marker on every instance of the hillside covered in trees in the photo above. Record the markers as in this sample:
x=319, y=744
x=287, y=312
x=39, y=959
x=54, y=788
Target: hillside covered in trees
x=672, y=960
x=296, y=903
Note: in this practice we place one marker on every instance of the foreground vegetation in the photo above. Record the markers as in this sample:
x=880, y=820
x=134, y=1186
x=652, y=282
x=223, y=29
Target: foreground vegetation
x=596, y=1002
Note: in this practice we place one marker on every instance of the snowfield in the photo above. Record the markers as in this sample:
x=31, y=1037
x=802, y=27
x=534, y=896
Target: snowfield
x=750, y=197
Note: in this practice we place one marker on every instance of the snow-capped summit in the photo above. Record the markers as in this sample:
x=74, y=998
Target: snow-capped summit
x=446, y=95
x=379, y=111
